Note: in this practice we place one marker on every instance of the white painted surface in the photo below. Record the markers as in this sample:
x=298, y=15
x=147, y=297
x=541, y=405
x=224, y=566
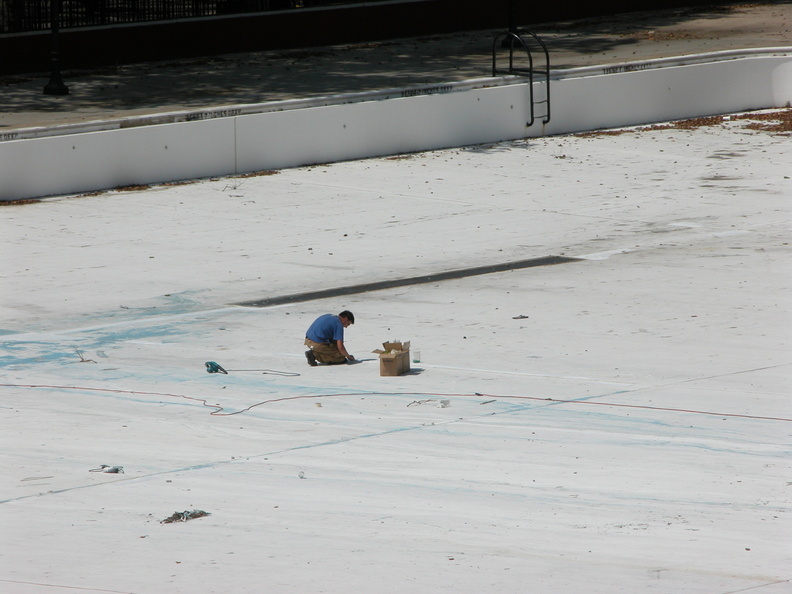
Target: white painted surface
x=108, y=159
x=661, y=462
x=375, y=128
x=590, y=102
x=356, y=128
x=782, y=84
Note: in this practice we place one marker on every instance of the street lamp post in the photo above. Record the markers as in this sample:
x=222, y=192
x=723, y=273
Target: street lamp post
x=55, y=85
x=512, y=17
x=508, y=41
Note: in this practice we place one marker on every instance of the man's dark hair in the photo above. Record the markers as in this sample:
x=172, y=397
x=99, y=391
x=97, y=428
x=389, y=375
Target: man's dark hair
x=348, y=315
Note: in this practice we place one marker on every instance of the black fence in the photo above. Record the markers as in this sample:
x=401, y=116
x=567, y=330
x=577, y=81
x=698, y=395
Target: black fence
x=18, y=16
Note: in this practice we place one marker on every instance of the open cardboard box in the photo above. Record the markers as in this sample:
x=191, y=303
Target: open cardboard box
x=394, y=358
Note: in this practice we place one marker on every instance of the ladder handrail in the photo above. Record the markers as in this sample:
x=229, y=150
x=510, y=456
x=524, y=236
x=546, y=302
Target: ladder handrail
x=513, y=37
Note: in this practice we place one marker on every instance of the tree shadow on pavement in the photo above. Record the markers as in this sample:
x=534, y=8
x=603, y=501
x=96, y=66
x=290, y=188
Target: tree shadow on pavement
x=277, y=75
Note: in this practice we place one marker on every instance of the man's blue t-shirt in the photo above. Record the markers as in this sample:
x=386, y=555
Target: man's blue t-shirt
x=326, y=328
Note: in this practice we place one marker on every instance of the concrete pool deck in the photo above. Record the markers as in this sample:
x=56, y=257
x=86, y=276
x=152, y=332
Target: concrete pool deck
x=148, y=88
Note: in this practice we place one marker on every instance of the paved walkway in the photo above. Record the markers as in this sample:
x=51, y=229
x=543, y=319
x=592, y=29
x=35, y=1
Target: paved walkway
x=275, y=75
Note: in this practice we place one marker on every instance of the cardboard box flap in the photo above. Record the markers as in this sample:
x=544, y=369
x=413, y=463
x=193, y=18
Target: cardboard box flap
x=393, y=347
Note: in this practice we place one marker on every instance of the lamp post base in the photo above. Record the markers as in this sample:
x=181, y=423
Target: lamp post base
x=56, y=87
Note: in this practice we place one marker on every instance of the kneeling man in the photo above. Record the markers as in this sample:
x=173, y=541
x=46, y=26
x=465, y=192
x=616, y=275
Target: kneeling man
x=325, y=339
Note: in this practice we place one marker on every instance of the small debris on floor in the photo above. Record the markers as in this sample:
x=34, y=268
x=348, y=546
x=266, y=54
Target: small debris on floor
x=184, y=516
x=110, y=469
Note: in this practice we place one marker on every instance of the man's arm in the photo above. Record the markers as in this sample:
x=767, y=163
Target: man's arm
x=343, y=351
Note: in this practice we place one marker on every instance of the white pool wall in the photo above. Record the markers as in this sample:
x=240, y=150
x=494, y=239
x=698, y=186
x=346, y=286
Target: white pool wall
x=95, y=156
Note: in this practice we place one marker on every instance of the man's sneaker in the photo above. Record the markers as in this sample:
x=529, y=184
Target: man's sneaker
x=311, y=358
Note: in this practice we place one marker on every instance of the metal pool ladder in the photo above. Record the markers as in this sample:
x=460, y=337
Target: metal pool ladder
x=514, y=41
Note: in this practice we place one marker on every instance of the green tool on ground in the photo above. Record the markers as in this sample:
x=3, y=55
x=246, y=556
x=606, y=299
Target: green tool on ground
x=214, y=367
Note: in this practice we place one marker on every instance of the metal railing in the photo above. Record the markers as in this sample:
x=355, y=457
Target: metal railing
x=18, y=16
x=512, y=41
